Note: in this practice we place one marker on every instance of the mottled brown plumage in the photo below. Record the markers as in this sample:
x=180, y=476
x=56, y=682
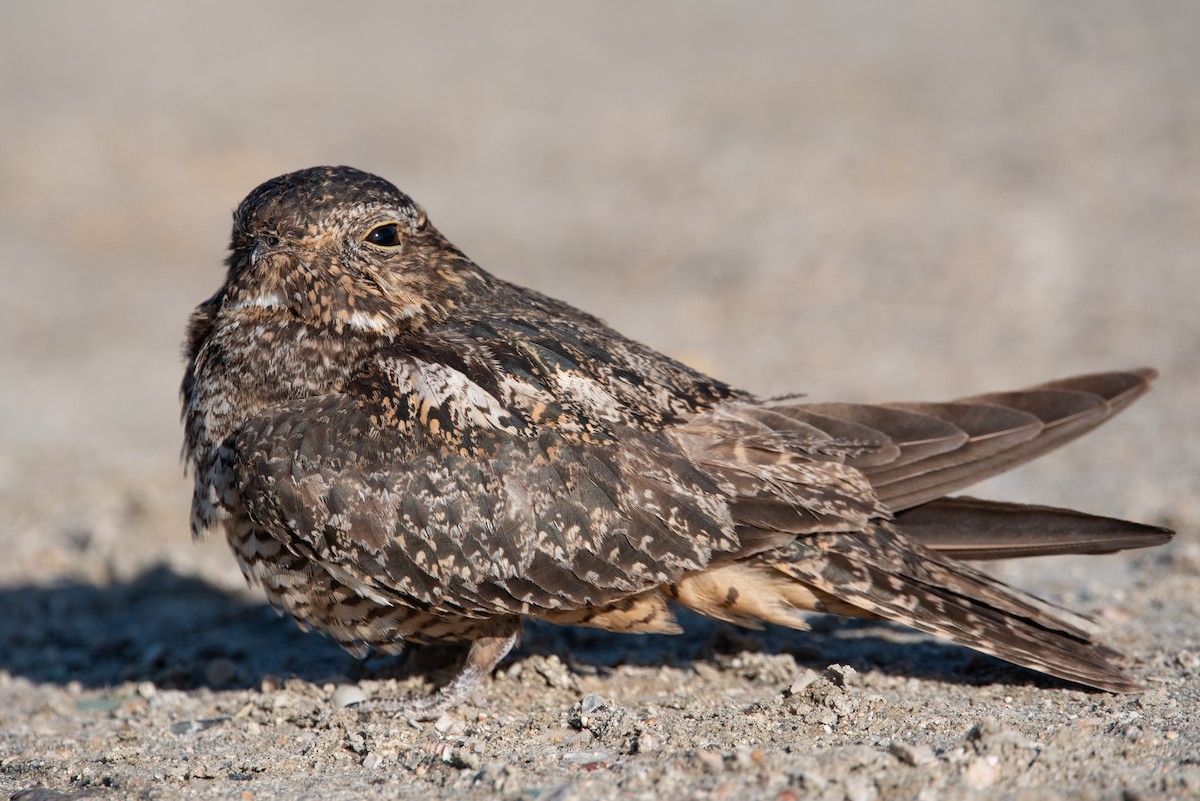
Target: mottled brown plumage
x=403, y=448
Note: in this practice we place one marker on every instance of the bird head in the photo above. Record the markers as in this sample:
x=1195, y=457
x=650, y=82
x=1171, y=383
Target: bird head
x=339, y=248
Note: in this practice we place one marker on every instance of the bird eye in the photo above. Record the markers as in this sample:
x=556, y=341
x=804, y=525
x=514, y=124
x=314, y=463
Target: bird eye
x=385, y=236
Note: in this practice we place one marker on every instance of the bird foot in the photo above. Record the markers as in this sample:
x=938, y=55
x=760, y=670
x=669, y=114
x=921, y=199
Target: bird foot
x=485, y=654
x=426, y=707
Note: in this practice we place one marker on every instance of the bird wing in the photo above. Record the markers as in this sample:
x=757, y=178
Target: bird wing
x=839, y=464
x=422, y=486
x=943, y=447
x=786, y=472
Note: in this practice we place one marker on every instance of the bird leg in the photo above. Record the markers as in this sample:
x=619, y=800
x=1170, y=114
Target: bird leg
x=486, y=652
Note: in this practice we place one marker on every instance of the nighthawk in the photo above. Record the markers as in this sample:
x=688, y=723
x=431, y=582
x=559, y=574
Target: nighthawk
x=403, y=448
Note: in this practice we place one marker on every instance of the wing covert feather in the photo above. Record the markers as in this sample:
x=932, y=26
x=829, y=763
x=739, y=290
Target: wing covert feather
x=426, y=502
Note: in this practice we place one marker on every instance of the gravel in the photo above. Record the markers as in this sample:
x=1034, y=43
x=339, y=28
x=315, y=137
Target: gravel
x=858, y=201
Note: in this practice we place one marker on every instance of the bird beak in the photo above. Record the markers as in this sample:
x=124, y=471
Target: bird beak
x=260, y=252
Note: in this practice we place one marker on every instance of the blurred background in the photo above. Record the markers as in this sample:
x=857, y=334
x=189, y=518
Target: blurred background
x=860, y=201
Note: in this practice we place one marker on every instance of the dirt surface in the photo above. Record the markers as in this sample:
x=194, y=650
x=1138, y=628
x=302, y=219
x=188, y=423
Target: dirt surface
x=858, y=201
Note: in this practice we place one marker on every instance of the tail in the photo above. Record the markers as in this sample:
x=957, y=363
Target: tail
x=908, y=570
x=881, y=573
x=885, y=575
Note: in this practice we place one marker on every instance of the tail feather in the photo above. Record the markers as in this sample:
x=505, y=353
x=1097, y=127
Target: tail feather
x=972, y=528
x=883, y=574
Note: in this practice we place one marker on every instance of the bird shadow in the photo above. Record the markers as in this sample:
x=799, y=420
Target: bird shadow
x=181, y=632
x=178, y=631
x=866, y=645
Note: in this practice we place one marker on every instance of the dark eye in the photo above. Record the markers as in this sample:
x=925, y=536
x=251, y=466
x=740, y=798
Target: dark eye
x=385, y=236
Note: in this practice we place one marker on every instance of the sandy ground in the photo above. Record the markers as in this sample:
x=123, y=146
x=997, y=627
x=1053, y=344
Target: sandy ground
x=858, y=200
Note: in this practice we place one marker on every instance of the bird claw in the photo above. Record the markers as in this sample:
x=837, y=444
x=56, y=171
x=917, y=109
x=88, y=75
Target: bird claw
x=422, y=707
x=486, y=652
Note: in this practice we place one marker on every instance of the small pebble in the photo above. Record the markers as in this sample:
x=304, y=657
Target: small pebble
x=647, y=743
x=710, y=761
x=913, y=754
x=800, y=684
x=982, y=772
x=841, y=675
x=744, y=757
x=860, y=787
x=347, y=695
x=592, y=703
